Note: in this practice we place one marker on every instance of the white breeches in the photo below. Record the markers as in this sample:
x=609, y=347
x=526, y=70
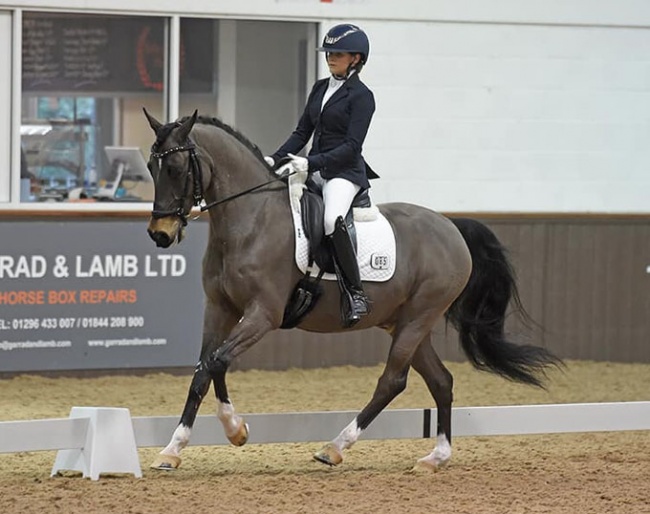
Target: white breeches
x=338, y=194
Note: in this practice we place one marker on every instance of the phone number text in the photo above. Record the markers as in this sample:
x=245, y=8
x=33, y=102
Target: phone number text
x=68, y=323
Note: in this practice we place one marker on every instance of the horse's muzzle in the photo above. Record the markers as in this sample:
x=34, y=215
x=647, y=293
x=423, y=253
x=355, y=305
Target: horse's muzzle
x=161, y=239
x=165, y=231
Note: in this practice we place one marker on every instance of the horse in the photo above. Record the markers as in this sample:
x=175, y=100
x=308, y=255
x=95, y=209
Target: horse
x=451, y=268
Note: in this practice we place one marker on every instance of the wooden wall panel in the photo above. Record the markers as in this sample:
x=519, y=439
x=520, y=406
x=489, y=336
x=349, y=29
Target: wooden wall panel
x=593, y=298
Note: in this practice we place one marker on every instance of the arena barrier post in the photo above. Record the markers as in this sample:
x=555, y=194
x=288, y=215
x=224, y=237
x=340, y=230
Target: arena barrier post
x=109, y=447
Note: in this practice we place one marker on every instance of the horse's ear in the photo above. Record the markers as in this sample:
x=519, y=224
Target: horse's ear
x=153, y=122
x=184, y=130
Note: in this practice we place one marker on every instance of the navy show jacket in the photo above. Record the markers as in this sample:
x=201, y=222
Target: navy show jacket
x=339, y=131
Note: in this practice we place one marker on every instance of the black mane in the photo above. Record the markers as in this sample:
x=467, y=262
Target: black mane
x=216, y=122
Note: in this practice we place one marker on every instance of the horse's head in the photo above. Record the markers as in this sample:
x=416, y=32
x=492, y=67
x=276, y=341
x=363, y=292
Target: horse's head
x=178, y=179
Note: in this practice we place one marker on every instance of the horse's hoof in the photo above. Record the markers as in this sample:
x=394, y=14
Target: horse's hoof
x=424, y=467
x=166, y=462
x=329, y=454
x=427, y=465
x=241, y=436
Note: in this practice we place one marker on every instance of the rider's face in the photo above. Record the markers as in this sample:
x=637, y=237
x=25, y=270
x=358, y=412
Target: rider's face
x=339, y=62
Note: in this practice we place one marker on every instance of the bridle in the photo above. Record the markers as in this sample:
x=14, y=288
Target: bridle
x=195, y=172
x=197, y=192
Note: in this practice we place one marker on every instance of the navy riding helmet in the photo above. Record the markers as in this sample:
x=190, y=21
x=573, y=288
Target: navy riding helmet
x=346, y=38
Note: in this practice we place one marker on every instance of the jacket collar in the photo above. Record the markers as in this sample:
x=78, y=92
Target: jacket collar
x=341, y=92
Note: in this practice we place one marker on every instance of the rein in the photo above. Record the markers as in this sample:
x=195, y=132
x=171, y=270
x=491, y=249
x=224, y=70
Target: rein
x=245, y=192
x=197, y=174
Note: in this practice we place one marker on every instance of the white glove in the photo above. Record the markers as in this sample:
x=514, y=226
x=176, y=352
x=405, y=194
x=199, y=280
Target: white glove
x=284, y=170
x=269, y=160
x=298, y=163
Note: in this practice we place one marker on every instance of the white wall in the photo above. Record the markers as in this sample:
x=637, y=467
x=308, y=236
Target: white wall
x=482, y=105
x=502, y=117
x=5, y=100
x=590, y=12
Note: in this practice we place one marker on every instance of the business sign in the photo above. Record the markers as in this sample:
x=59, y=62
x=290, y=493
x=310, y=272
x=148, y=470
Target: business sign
x=98, y=295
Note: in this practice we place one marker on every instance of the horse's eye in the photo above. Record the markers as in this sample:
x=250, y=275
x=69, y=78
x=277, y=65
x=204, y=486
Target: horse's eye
x=154, y=168
x=175, y=173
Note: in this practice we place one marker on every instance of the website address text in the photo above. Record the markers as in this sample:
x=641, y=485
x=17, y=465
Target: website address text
x=108, y=343
x=22, y=345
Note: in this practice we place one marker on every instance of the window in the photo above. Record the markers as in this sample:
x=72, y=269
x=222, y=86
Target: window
x=85, y=79
x=253, y=75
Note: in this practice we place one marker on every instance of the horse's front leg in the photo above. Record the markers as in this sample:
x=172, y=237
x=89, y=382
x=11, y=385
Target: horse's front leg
x=169, y=457
x=252, y=326
x=217, y=323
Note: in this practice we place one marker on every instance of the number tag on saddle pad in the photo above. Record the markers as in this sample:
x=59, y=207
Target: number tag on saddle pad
x=375, y=238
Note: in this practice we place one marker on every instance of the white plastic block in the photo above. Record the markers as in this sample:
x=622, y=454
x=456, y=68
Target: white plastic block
x=109, y=447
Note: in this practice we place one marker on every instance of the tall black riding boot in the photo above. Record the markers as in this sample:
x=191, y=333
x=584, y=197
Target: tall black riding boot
x=354, y=302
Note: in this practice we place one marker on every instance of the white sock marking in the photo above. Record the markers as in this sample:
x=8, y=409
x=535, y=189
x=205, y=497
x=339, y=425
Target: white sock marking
x=442, y=452
x=180, y=438
x=228, y=418
x=348, y=436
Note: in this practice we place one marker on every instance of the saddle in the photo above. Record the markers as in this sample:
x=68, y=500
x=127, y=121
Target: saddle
x=312, y=210
x=308, y=290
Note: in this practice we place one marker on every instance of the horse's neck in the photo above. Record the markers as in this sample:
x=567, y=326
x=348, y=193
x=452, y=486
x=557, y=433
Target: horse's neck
x=235, y=170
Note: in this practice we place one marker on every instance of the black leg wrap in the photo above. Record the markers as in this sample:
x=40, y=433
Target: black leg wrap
x=354, y=302
x=218, y=363
x=217, y=366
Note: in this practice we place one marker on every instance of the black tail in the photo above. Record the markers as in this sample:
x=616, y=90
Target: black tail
x=479, y=312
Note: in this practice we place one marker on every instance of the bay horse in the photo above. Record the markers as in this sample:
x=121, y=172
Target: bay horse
x=453, y=268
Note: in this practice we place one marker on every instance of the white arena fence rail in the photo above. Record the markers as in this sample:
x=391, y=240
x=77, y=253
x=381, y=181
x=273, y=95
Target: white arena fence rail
x=95, y=440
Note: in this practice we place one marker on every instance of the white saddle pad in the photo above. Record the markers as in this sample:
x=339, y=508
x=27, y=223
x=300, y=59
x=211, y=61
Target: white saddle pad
x=375, y=238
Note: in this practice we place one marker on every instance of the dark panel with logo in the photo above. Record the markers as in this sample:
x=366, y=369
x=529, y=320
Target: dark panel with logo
x=79, y=295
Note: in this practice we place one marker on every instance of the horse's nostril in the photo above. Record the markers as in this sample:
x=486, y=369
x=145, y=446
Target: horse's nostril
x=160, y=238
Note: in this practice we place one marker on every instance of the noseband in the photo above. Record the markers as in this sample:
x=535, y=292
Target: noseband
x=194, y=170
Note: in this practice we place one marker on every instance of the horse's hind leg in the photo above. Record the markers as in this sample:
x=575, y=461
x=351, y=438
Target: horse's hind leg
x=440, y=383
x=390, y=384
